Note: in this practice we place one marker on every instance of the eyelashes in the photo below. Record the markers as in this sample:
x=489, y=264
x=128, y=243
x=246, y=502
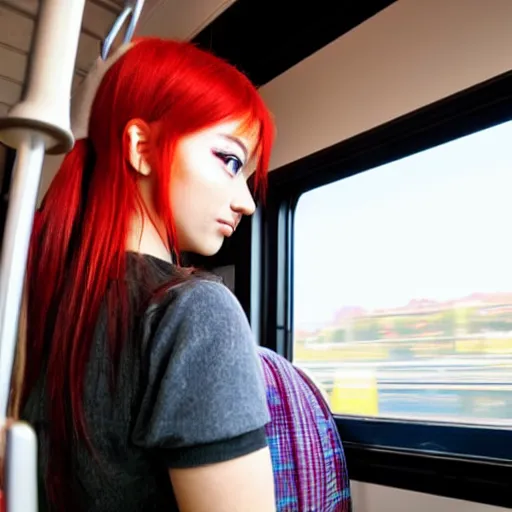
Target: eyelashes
x=232, y=162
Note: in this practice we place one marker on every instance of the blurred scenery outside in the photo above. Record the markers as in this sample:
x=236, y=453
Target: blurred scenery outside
x=403, y=285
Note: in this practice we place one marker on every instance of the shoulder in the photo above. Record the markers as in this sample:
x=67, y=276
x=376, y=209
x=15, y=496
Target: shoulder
x=203, y=294
x=215, y=304
x=208, y=303
x=199, y=316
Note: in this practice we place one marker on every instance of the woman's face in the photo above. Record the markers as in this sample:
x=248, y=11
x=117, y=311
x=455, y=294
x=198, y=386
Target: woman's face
x=209, y=192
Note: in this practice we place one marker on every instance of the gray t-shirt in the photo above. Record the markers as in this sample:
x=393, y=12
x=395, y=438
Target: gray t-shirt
x=190, y=392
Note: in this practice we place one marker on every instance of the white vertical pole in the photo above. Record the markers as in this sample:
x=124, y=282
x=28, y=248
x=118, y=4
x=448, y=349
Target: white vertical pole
x=23, y=196
x=39, y=123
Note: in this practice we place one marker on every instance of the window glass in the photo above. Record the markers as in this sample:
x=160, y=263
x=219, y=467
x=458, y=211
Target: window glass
x=403, y=285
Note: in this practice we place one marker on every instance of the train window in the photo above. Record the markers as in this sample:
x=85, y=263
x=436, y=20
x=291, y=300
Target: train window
x=402, y=289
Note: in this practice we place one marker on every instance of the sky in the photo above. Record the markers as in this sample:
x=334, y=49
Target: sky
x=435, y=225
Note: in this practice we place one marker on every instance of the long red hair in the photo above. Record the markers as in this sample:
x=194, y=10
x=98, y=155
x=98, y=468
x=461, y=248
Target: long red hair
x=79, y=236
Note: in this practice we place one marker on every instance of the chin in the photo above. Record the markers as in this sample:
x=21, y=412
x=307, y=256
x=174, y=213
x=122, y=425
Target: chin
x=209, y=249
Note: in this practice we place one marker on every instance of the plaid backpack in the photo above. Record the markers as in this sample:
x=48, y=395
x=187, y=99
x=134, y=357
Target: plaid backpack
x=310, y=473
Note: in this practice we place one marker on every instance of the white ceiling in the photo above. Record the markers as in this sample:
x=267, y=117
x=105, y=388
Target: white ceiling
x=165, y=18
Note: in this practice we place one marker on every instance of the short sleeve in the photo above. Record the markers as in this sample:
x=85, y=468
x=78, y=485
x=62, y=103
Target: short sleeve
x=204, y=398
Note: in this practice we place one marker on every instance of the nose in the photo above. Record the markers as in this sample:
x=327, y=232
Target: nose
x=242, y=202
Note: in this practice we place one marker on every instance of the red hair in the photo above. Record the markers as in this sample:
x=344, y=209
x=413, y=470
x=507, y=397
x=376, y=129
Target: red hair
x=79, y=237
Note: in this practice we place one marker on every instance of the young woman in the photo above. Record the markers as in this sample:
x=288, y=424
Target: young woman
x=141, y=376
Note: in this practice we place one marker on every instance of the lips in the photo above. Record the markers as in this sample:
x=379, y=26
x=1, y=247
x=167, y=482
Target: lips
x=227, y=223
x=227, y=228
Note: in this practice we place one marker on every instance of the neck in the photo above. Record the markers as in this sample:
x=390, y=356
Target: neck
x=144, y=238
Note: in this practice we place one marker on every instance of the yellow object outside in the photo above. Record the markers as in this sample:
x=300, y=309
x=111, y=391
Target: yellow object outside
x=498, y=346
x=355, y=392
x=468, y=346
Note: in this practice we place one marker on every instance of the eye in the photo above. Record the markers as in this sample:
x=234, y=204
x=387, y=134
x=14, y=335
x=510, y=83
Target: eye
x=232, y=162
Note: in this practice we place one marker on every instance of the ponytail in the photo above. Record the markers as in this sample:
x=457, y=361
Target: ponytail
x=54, y=226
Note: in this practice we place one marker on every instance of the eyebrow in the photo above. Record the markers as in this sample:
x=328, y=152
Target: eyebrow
x=238, y=142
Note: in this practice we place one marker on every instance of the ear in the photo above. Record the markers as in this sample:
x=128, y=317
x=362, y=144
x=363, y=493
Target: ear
x=137, y=134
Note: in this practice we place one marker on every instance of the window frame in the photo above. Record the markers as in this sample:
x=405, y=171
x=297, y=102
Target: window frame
x=472, y=463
